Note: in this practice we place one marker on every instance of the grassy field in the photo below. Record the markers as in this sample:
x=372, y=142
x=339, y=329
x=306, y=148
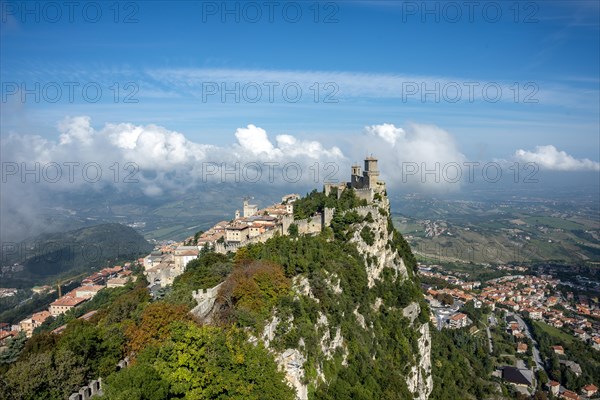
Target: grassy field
x=483, y=233
x=406, y=227
x=553, y=222
x=554, y=332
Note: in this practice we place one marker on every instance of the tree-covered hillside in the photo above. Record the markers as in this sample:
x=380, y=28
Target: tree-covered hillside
x=49, y=256
x=296, y=316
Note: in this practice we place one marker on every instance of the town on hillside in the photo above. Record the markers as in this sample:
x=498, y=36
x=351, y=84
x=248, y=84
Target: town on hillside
x=254, y=225
x=110, y=277
x=250, y=225
x=516, y=298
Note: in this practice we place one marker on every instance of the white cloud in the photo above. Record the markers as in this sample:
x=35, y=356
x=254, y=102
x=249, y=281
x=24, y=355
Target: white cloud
x=387, y=132
x=407, y=154
x=549, y=157
x=168, y=156
x=76, y=129
x=254, y=140
x=350, y=84
x=149, y=159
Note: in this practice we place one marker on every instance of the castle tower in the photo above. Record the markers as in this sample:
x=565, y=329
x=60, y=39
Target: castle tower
x=371, y=174
x=356, y=180
x=249, y=209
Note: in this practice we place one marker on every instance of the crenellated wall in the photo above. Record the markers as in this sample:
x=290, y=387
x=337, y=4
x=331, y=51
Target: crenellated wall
x=364, y=210
x=93, y=389
x=206, y=300
x=310, y=225
x=224, y=248
x=364, y=194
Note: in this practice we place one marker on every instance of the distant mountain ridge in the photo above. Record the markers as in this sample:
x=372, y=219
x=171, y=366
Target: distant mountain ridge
x=50, y=255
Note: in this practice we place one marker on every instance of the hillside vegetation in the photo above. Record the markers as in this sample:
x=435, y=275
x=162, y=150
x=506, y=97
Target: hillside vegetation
x=338, y=315
x=49, y=256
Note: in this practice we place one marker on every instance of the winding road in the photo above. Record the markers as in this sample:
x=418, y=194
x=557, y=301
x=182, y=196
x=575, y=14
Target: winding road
x=492, y=322
x=536, y=353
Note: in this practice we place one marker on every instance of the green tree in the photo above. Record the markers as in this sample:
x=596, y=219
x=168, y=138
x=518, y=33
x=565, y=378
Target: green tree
x=293, y=230
x=138, y=382
x=211, y=363
x=13, y=349
x=48, y=375
x=252, y=290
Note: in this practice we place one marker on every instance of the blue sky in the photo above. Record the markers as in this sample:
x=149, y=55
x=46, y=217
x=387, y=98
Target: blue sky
x=367, y=56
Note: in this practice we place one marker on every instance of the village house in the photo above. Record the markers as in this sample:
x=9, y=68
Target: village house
x=558, y=350
x=534, y=313
x=87, y=291
x=581, y=334
x=183, y=255
x=237, y=233
x=94, y=279
x=589, y=390
x=4, y=336
x=572, y=365
x=555, y=322
x=520, y=378
x=569, y=395
x=458, y=320
x=64, y=304
x=164, y=272
x=256, y=230
x=512, y=305
x=553, y=387
x=117, y=282
x=28, y=325
x=152, y=259
x=514, y=328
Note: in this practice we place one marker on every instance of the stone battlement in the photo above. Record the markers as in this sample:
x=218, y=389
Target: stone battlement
x=224, y=248
x=206, y=300
x=364, y=210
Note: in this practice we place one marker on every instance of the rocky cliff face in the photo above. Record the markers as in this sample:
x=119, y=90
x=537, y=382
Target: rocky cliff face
x=379, y=255
x=419, y=380
x=306, y=371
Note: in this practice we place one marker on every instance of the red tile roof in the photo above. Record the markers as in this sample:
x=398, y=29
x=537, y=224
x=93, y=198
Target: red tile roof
x=68, y=301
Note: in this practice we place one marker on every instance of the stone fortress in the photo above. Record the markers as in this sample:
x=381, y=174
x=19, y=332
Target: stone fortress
x=254, y=225
x=365, y=186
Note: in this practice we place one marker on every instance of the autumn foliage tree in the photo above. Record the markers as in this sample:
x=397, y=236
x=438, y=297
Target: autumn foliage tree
x=153, y=326
x=252, y=290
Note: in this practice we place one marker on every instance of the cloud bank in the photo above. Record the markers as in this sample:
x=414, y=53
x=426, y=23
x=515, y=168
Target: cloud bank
x=550, y=158
x=408, y=155
x=153, y=161
x=155, y=152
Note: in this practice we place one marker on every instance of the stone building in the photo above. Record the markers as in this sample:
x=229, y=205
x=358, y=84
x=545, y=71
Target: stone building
x=249, y=209
x=64, y=304
x=369, y=177
x=365, y=183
